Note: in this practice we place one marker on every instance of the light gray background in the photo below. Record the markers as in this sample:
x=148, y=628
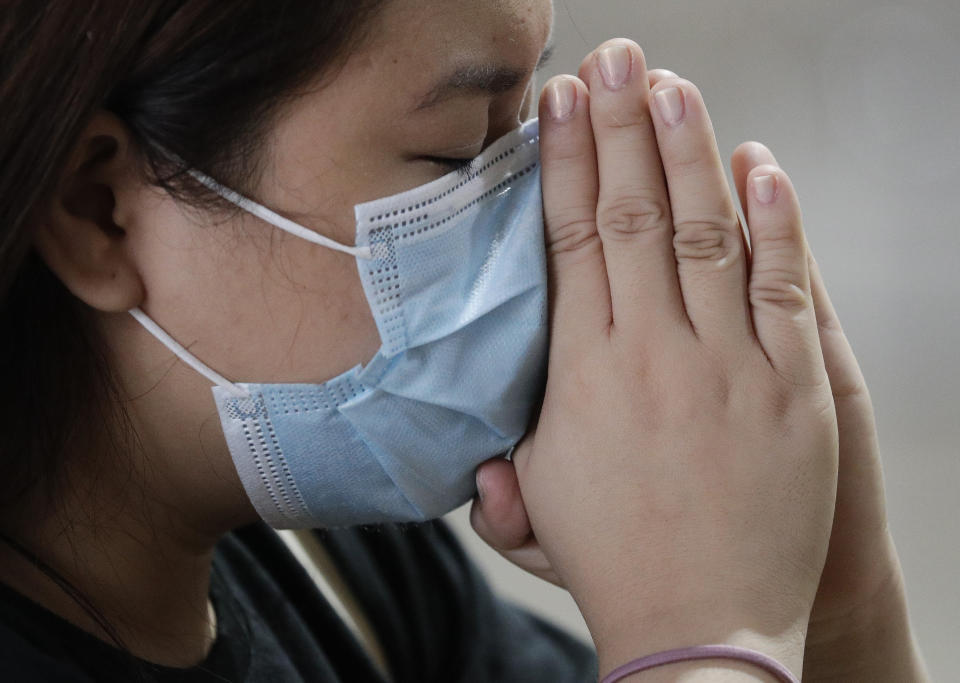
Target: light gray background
x=860, y=102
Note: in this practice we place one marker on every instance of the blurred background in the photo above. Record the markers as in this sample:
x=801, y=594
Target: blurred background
x=860, y=102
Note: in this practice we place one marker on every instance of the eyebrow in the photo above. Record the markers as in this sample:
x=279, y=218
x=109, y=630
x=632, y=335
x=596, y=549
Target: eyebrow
x=484, y=79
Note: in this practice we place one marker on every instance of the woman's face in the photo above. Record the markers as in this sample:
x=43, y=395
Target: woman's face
x=257, y=304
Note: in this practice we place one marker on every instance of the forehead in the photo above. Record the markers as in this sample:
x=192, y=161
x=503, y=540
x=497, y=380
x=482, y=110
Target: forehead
x=423, y=38
x=450, y=22
x=363, y=110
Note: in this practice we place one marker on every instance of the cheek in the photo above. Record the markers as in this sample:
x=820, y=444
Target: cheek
x=257, y=304
x=328, y=325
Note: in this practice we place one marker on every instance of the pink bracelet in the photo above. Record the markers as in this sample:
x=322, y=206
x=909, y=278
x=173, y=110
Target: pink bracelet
x=685, y=654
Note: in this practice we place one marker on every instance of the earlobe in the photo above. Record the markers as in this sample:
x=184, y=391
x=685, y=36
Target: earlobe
x=81, y=234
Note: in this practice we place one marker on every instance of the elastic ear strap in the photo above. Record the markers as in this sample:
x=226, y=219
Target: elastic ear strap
x=185, y=355
x=277, y=220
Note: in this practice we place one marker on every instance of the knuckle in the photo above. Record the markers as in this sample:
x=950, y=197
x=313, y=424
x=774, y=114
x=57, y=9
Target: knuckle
x=778, y=287
x=716, y=390
x=782, y=239
x=790, y=403
x=774, y=401
x=780, y=399
x=630, y=216
x=694, y=165
x=570, y=231
x=627, y=122
x=561, y=153
x=851, y=389
x=830, y=325
x=706, y=240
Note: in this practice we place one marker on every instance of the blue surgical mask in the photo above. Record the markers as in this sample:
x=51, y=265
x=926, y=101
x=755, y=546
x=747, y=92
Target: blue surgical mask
x=455, y=274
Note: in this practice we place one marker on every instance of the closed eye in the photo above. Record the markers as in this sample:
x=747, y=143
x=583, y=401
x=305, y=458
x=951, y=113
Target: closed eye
x=463, y=166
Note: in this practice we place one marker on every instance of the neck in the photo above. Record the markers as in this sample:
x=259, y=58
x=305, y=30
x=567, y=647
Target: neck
x=133, y=527
x=144, y=565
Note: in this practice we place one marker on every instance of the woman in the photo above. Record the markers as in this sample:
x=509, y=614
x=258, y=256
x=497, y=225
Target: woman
x=366, y=356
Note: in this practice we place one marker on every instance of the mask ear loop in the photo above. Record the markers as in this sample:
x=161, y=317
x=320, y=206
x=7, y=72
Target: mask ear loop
x=186, y=356
x=265, y=214
x=277, y=220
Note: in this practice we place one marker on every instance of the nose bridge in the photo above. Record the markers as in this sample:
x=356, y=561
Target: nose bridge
x=509, y=110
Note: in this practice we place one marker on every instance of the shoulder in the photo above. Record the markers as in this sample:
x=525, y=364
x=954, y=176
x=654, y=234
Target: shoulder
x=21, y=660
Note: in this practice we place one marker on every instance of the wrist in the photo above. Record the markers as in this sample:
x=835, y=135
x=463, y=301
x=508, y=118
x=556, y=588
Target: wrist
x=733, y=663
x=706, y=671
x=629, y=638
x=873, y=641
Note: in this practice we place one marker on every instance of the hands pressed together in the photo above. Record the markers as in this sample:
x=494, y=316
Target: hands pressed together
x=705, y=467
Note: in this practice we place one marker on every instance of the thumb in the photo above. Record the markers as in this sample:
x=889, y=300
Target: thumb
x=498, y=515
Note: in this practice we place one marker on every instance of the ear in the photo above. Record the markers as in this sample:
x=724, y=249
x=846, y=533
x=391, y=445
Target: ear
x=81, y=234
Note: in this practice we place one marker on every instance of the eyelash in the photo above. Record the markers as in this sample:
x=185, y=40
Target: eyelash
x=462, y=166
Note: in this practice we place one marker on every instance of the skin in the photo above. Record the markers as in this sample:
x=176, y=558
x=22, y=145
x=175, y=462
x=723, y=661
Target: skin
x=858, y=626
x=140, y=533
x=250, y=301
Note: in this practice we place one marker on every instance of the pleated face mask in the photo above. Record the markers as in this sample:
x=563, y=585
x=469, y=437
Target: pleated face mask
x=455, y=274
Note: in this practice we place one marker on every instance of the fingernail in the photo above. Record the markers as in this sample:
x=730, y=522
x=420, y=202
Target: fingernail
x=562, y=99
x=480, y=486
x=765, y=187
x=615, y=65
x=671, y=105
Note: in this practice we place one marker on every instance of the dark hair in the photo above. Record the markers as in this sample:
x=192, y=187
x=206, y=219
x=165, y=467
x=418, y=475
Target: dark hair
x=200, y=78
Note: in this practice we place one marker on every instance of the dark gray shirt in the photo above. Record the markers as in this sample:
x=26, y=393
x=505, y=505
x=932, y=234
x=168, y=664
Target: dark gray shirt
x=430, y=607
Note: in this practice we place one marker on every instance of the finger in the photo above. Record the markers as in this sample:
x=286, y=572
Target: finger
x=530, y=557
x=633, y=209
x=746, y=157
x=846, y=379
x=580, y=293
x=500, y=518
x=851, y=398
x=780, y=293
x=656, y=75
x=860, y=473
x=707, y=238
